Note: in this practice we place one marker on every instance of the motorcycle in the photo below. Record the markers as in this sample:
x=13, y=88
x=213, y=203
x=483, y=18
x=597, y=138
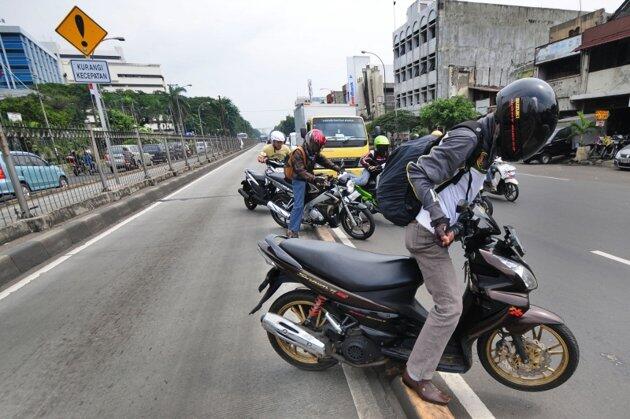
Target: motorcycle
x=256, y=188
x=359, y=308
x=335, y=203
x=484, y=201
x=508, y=185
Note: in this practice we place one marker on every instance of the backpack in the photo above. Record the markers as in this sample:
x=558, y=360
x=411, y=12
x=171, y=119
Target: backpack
x=396, y=198
x=289, y=172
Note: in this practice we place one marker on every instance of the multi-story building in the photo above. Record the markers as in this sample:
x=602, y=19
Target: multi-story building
x=448, y=48
x=590, y=71
x=145, y=78
x=373, y=101
x=24, y=62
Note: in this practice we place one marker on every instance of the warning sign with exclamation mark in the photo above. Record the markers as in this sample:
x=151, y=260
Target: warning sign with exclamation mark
x=81, y=31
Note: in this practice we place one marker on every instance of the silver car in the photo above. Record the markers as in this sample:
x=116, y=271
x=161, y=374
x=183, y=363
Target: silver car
x=622, y=158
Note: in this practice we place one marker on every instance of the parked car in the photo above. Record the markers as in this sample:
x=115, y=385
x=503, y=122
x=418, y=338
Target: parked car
x=136, y=154
x=558, y=145
x=123, y=158
x=156, y=151
x=201, y=146
x=33, y=172
x=622, y=158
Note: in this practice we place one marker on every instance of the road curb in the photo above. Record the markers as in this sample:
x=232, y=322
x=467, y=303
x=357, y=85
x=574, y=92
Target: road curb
x=17, y=259
x=412, y=405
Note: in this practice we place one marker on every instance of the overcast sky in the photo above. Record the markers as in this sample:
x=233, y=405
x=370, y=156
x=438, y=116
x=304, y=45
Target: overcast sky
x=259, y=53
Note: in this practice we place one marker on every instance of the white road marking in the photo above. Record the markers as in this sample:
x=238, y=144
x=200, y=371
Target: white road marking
x=544, y=177
x=466, y=396
x=611, y=257
x=63, y=258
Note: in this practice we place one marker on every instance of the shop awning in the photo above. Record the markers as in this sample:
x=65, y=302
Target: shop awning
x=485, y=88
x=608, y=32
x=587, y=96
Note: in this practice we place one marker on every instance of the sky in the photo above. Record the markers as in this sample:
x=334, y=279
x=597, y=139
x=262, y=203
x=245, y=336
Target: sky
x=259, y=53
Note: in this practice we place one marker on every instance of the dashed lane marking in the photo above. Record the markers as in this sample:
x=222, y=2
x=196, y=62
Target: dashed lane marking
x=544, y=177
x=611, y=257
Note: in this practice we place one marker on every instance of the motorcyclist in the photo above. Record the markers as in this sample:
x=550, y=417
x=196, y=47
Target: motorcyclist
x=437, y=133
x=374, y=160
x=277, y=150
x=303, y=160
x=526, y=114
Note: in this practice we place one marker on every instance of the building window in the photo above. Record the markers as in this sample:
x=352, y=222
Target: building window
x=398, y=101
x=409, y=71
x=566, y=67
x=416, y=68
x=416, y=39
x=423, y=66
x=431, y=92
x=397, y=76
x=409, y=44
x=403, y=73
x=431, y=62
x=416, y=96
x=423, y=95
x=144, y=76
x=423, y=35
x=431, y=32
x=402, y=48
x=610, y=55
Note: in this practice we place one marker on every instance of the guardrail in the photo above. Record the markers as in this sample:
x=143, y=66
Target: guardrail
x=44, y=170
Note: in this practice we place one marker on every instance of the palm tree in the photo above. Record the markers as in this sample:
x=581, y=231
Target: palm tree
x=174, y=92
x=582, y=126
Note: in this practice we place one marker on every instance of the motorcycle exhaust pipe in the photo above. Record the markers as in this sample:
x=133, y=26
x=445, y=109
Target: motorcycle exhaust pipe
x=243, y=193
x=290, y=332
x=277, y=209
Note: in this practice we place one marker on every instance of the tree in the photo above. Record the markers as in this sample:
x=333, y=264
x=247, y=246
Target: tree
x=286, y=126
x=398, y=121
x=446, y=113
x=120, y=121
x=581, y=127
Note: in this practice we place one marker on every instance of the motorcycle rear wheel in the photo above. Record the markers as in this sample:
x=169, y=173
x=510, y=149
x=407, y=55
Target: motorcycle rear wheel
x=504, y=365
x=294, y=305
x=282, y=201
x=365, y=223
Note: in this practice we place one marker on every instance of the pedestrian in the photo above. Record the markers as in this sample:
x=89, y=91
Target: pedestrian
x=526, y=114
x=300, y=168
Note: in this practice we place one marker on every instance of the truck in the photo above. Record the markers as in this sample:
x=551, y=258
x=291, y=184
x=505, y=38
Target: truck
x=345, y=131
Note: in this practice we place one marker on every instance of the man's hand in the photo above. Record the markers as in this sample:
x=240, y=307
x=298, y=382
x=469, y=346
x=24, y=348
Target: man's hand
x=320, y=181
x=443, y=237
x=262, y=159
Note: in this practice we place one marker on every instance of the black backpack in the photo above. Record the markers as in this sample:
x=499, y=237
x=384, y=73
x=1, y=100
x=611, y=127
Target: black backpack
x=396, y=199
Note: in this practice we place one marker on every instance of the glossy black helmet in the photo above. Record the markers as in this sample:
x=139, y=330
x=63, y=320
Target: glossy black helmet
x=527, y=114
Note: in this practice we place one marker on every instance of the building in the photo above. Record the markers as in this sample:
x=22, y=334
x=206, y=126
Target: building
x=139, y=77
x=448, y=48
x=372, y=101
x=24, y=62
x=590, y=71
x=335, y=96
x=355, y=66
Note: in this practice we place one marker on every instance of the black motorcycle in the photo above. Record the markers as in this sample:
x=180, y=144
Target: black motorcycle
x=256, y=188
x=360, y=308
x=335, y=202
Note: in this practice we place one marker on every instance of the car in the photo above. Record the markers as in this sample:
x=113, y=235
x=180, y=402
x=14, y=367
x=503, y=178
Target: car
x=122, y=161
x=622, y=158
x=33, y=172
x=136, y=154
x=156, y=151
x=560, y=144
x=201, y=146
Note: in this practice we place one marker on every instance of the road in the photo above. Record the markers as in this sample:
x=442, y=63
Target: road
x=151, y=321
x=562, y=214
x=149, y=318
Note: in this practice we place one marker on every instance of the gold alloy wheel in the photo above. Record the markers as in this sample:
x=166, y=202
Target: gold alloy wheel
x=547, y=352
x=297, y=312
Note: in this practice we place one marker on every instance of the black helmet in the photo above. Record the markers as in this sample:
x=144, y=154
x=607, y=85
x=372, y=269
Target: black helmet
x=527, y=113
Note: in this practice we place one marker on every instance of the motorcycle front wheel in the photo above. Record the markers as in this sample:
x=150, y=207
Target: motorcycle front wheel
x=283, y=201
x=487, y=204
x=511, y=192
x=552, y=351
x=364, y=223
x=295, y=306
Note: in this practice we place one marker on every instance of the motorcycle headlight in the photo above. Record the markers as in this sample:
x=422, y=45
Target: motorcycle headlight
x=350, y=186
x=521, y=271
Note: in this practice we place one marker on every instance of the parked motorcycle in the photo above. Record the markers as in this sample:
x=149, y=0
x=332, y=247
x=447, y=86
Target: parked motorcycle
x=256, y=188
x=335, y=203
x=508, y=185
x=360, y=308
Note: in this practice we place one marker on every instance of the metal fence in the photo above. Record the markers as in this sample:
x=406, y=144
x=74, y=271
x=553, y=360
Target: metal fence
x=54, y=168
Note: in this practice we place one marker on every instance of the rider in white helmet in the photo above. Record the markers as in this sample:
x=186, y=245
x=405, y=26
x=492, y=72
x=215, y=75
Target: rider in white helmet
x=277, y=150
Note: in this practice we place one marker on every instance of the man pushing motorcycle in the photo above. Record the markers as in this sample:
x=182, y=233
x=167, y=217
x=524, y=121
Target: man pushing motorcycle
x=299, y=169
x=526, y=114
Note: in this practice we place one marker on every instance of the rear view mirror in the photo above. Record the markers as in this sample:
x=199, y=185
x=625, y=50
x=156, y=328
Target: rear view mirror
x=303, y=133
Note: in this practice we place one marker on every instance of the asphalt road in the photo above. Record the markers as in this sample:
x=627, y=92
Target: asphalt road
x=562, y=214
x=151, y=320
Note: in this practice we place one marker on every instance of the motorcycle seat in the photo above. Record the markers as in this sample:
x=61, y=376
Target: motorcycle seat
x=260, y=178
x=279, y=177
x=352, y=269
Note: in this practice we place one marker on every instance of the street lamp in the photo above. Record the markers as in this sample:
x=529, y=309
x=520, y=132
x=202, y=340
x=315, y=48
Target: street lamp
x=199, y=115
x=384, y=78
x=114, y=38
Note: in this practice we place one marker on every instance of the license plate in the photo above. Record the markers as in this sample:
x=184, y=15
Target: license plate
x=354, y=195
x=624, y=161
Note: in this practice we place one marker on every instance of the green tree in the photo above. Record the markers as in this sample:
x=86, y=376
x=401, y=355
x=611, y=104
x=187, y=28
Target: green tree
x=581, y=127
x=399, y=121
x=445, y=113
x=286, y=126
x=120, y=121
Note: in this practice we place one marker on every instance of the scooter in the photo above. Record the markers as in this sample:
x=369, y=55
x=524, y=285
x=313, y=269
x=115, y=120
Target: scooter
x=256, y=188
x=507, y=185
x=359, y=308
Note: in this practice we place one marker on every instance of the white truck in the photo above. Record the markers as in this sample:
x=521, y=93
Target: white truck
x=345, y=131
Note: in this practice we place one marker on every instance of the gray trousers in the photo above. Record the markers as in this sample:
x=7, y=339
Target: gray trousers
x=441, y=282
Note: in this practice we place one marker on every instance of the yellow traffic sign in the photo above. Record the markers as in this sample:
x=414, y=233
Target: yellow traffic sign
x=81, y=31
